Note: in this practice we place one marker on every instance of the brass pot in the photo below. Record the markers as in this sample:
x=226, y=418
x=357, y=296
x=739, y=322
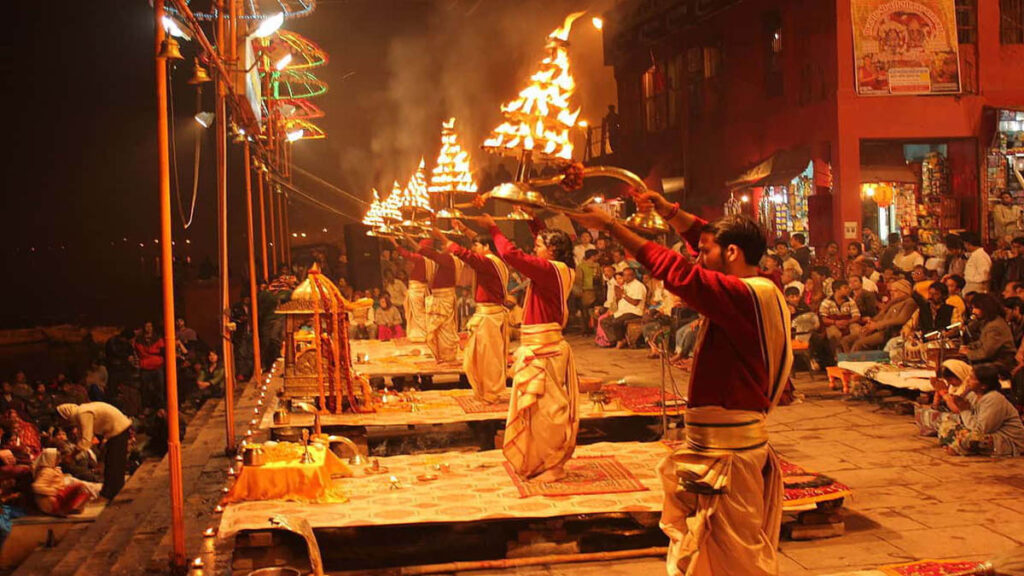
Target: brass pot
x=254, y=456
x=282, y=417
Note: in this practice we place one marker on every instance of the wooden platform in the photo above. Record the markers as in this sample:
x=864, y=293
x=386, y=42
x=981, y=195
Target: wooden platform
x=394, y=359
x=456, y=505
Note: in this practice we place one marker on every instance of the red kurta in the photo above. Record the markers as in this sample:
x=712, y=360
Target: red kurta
x=728, y=367
x=417, y=267
x=546, y=300
x=444, y=276
x=490, y=288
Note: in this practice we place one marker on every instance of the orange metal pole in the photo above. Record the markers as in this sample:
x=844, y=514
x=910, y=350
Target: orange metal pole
x=222, y=241
x=177, y=560
x=282, y=234
x=233, y=32
x=263, y=229
x=271, y=215
x=257, y=370
x=287, y=233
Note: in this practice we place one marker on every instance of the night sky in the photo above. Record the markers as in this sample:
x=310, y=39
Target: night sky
x=81, y=162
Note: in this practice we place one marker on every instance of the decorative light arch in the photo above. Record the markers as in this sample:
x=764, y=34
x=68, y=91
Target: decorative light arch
x=295, y=84
x=306, y=54
x=310, y=131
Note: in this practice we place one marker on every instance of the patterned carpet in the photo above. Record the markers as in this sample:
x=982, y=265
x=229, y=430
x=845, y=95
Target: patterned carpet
x=585, y=475
x=929, y=568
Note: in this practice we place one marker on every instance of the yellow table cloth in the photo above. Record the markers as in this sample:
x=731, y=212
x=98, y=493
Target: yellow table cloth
x=291, y=480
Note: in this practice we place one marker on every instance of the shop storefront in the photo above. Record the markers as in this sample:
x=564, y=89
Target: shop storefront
x=777, y=191
x=1004, y=174
x=924, y=188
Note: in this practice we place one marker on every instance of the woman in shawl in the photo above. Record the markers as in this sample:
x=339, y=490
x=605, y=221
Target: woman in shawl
x=57, y=493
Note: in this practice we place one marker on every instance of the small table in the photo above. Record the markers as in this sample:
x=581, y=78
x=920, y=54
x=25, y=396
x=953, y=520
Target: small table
x=292, y=480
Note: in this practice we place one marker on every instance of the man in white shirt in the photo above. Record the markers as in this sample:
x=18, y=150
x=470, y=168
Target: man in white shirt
x=788, y=261
x=910, y=257
x=630, y=300
x=979, y=264
x=582, y=246
x=1006, y=218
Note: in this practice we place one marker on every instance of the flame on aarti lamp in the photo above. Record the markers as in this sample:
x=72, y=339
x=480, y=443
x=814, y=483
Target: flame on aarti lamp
x=414, y=197
x=390, y=208
x=374, y=215
x=540, y=118
x=452, y=173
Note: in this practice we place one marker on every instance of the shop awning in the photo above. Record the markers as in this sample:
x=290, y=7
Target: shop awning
x=887, y=173
x=778, y=170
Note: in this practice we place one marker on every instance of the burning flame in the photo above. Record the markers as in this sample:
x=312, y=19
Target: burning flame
x=374, y=215
x=452, y=173
x=414, y=197
x=390, y=209
x=540, y=118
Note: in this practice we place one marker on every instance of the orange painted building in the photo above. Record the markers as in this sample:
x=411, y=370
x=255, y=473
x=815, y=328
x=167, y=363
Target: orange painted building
x=743, y=96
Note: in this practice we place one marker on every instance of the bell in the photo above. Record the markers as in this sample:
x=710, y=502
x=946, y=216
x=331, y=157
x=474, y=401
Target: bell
x=170, y=50
x=649, y=222
x=199, y=74
x=517, y=193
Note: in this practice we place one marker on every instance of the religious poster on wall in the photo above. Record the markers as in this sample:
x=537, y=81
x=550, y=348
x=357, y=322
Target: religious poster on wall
x=905, y=47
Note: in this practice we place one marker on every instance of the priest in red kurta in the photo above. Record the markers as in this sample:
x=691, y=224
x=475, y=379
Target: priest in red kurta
x=420, y=272
x=723, y=487
x=485, y=360
x=442, y=337
x=540, y=432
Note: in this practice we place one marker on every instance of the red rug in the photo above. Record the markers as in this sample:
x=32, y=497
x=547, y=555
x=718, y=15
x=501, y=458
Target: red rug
x=642, y=400
x=474, y=405
x=800, y=486
x=929, y=568
x=585, y=475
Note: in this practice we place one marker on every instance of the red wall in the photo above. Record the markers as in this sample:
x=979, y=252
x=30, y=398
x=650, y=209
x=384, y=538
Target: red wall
x=819, y=109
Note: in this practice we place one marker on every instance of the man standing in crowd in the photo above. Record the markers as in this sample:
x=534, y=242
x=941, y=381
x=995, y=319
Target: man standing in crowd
x=802, y=254
x=629, y=305
x=1006, y=218
x=910, y=257
x=979, y=265
x=486, y=359
x=723, y=487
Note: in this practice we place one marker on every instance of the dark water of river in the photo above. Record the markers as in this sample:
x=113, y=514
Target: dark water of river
x=44, y=360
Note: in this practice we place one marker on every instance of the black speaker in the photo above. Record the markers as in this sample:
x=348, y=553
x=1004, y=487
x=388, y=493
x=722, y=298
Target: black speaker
x=363, y=257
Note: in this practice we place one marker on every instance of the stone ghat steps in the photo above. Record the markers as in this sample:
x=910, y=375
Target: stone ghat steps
x=128, y=531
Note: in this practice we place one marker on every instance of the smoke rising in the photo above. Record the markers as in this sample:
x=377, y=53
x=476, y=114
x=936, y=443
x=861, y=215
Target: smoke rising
x=463, y=58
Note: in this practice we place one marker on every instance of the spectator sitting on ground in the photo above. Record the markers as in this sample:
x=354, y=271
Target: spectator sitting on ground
x=840, y=316
x=389, y=321
x=772, y=264
x=601, y=338
x=804, y=321
x=955, y=260
x=867, y=302
x=788, y=261
x=1013, y=312
x=854, y=254
x=1006, y=270
x=814, y=291
x=830, y=259
x=658, y=322
x=57, y=493
x=790, y=279
x=955, y=285
x=932, y=314
x=630, y=299
x=583, y=245
x=210, y=382
x=988, y=425
x=919, y=279
x=947, y=399
x=361, y=320
x=994, y=339
x=887, y=323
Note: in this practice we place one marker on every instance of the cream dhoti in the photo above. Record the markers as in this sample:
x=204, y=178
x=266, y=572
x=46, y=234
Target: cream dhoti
x=540, y=432
x=485, y=361
x=416, y=311
x=442, y=338
x=723, y=496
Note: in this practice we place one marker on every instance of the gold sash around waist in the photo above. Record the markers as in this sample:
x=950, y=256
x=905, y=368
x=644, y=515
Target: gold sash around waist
x=443, y=292
x=489, y=309
x=541, y=335
x=416, y=284
x=711, y=428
